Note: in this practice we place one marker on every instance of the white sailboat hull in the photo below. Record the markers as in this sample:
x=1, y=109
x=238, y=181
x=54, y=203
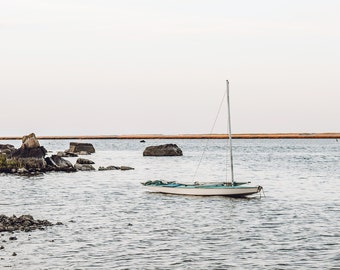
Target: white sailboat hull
x=236, y=191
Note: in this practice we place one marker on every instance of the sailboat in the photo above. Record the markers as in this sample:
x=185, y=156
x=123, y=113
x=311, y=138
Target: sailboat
x=233, y=189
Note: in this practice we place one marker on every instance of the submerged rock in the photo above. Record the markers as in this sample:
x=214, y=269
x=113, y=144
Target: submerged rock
x=108, y=168
x=126, y=168
x=24, y=223
x=84, y=161
x=112, y=168
x=84, y=167
x=163, y=150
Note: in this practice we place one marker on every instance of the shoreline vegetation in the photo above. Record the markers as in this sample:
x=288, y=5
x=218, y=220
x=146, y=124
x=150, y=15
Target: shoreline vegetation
x=188, y=136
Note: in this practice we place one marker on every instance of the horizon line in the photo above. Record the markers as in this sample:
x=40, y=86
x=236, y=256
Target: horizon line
x=303, y=135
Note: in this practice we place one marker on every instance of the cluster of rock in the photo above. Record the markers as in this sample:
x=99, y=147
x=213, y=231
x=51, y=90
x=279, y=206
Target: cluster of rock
x=24, y=223
x=31, y=158
x=163, y=150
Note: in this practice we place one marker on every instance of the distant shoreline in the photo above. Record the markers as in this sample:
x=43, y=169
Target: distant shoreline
x=189, y=136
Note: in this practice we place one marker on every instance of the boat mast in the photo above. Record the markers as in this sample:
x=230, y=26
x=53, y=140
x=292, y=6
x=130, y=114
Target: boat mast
x=230, y=143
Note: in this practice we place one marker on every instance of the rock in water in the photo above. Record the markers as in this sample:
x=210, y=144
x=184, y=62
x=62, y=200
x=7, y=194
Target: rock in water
x=84, y=161
x=65, y=154
x=30, y=148
x=108, y=168
x=30, y=141
x=57, y=163
x=30, y=155
x=23, y=223
x=81, y=148
x=6, y=149
x=83, y=164
x=84, y=167
x=163, y=150
x=126, y=168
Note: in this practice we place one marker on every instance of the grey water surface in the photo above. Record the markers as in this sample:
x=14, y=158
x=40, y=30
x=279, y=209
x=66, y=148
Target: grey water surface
x=112, y=222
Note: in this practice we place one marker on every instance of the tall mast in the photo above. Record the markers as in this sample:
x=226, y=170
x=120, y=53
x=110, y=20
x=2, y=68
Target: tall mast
x=230, y=143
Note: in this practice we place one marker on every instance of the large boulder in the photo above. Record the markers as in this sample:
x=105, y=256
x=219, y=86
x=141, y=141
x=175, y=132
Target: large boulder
x=163, y=150
x=57, y=163
x=30, y=156
x=30, y=148
x=81, y=148
x=30, y=141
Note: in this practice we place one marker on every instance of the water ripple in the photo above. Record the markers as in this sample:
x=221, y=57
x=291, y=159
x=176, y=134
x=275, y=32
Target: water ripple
x=111, y=222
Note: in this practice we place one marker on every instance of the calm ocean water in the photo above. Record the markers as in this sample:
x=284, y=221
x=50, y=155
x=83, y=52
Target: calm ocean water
x=112, y=222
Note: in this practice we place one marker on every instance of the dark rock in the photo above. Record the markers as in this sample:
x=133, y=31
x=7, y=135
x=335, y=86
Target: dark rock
x=66, y=154
x=163, y=150
x=126, y=168
x=12, y=238
x=14, y=254
x=24, y=223
x=30, y=148
x=32, y=164
x=83, y=164
x=57, y=163
x=84, y=167
x=142, y=141
x=23, y=152
x=29, y=157
x=112, y=168
x=108, y=168
x=84, y=161
x=81, y=148
x=7, y=148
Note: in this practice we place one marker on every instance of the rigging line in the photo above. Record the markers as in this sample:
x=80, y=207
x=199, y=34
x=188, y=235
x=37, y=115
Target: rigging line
x=212, y=128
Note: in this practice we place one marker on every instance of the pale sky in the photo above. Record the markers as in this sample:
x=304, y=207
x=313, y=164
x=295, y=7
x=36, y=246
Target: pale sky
x=105, y=67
